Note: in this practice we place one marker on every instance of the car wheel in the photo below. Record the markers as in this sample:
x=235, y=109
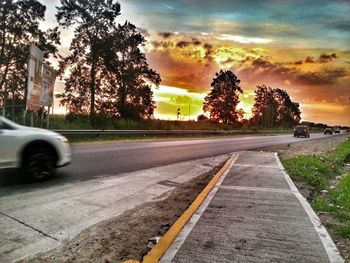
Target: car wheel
x=39, y=164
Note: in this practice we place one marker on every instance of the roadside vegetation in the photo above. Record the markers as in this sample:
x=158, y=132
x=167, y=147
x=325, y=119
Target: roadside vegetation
x=325, y=182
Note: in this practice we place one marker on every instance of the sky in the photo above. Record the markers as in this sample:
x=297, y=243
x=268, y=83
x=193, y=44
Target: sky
x=302, y=46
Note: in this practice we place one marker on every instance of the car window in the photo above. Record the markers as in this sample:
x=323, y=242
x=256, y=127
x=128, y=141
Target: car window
x=4, y=126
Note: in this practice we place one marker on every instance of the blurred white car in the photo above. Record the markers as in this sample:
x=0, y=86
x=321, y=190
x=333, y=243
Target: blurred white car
x=36, y=151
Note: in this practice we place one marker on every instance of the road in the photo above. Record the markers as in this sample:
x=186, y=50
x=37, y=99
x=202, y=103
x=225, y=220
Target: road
x=93, y=160
x=102, y=159
x=104, y=180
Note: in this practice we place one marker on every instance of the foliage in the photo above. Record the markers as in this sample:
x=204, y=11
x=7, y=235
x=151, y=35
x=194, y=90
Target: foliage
x=93, y=21
x=273, y=107
x=202, y=118
x=128, y=94
x=111, y=76
x=223, y=98
x=19, y=27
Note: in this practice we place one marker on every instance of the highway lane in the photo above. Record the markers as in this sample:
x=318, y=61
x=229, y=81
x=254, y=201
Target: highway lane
x=102, y=159
x=93, y=160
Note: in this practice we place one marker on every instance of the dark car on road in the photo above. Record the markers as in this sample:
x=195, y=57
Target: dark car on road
x=301, y=130
x=337, y=130
x=328, y=130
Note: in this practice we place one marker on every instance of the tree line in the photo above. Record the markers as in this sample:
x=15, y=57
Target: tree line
x=273, y=107
x=108, y=73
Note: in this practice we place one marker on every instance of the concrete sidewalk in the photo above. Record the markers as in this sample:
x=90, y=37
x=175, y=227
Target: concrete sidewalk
x=254, y=214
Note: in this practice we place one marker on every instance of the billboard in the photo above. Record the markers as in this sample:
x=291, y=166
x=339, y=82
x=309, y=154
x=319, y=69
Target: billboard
x=41, y=80
x=35, y=63
x=47, y=86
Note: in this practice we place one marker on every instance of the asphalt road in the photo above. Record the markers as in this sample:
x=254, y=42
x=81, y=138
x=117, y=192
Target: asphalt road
x=101, y=159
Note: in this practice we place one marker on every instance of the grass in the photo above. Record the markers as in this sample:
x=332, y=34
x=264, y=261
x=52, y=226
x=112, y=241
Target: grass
x=103, y=123
x=330, y=180
x=77, y=139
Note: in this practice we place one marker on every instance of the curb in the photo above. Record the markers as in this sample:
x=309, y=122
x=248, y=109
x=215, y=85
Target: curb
x=162, y=246
x=327, y=242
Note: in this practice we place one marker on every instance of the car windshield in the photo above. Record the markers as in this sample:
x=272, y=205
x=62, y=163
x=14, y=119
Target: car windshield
x=7, y=124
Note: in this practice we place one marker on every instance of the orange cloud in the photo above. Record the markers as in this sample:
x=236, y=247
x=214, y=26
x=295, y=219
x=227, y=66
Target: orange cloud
x=190, y=62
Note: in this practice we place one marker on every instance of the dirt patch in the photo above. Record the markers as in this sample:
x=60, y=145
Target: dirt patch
x=125, y=237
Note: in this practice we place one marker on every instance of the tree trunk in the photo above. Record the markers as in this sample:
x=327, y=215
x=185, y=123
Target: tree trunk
x=92, y=88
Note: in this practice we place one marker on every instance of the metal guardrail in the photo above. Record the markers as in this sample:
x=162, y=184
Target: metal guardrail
x=156, y=132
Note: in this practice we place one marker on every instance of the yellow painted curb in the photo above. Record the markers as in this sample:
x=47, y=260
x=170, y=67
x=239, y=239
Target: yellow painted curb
x=164, y=243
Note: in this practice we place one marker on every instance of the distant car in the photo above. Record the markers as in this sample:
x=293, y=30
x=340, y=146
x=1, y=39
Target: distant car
x=328, y=130
x=337, y=130
x=301, y=130
x=36, y=151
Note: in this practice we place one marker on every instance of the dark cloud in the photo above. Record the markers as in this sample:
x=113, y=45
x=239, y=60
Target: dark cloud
x=182, y=44
x=165, y=34
x=228, y=61
x=261, y=69
x=208, y=52
x=246, y=59
x=324, y=58
x=324, y=77
x=196, y=42
x=309, y=60
x=158, y=44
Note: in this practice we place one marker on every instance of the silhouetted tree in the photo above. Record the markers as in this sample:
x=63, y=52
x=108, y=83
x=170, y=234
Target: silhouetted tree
x=222, y=100
x=112, y=75
x=93, y=21
x=128, y=94
x=273, y=107
x=202, y=118
x=288, y=112
x=19, y=27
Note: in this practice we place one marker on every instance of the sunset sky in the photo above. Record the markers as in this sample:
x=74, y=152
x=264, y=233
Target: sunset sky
x=300, y=46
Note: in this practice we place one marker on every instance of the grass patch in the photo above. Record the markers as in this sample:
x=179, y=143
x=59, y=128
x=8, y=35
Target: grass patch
x=78, y=122
x=310, y=169
x=341, y=195
x=329, y=179
x=343, y=231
